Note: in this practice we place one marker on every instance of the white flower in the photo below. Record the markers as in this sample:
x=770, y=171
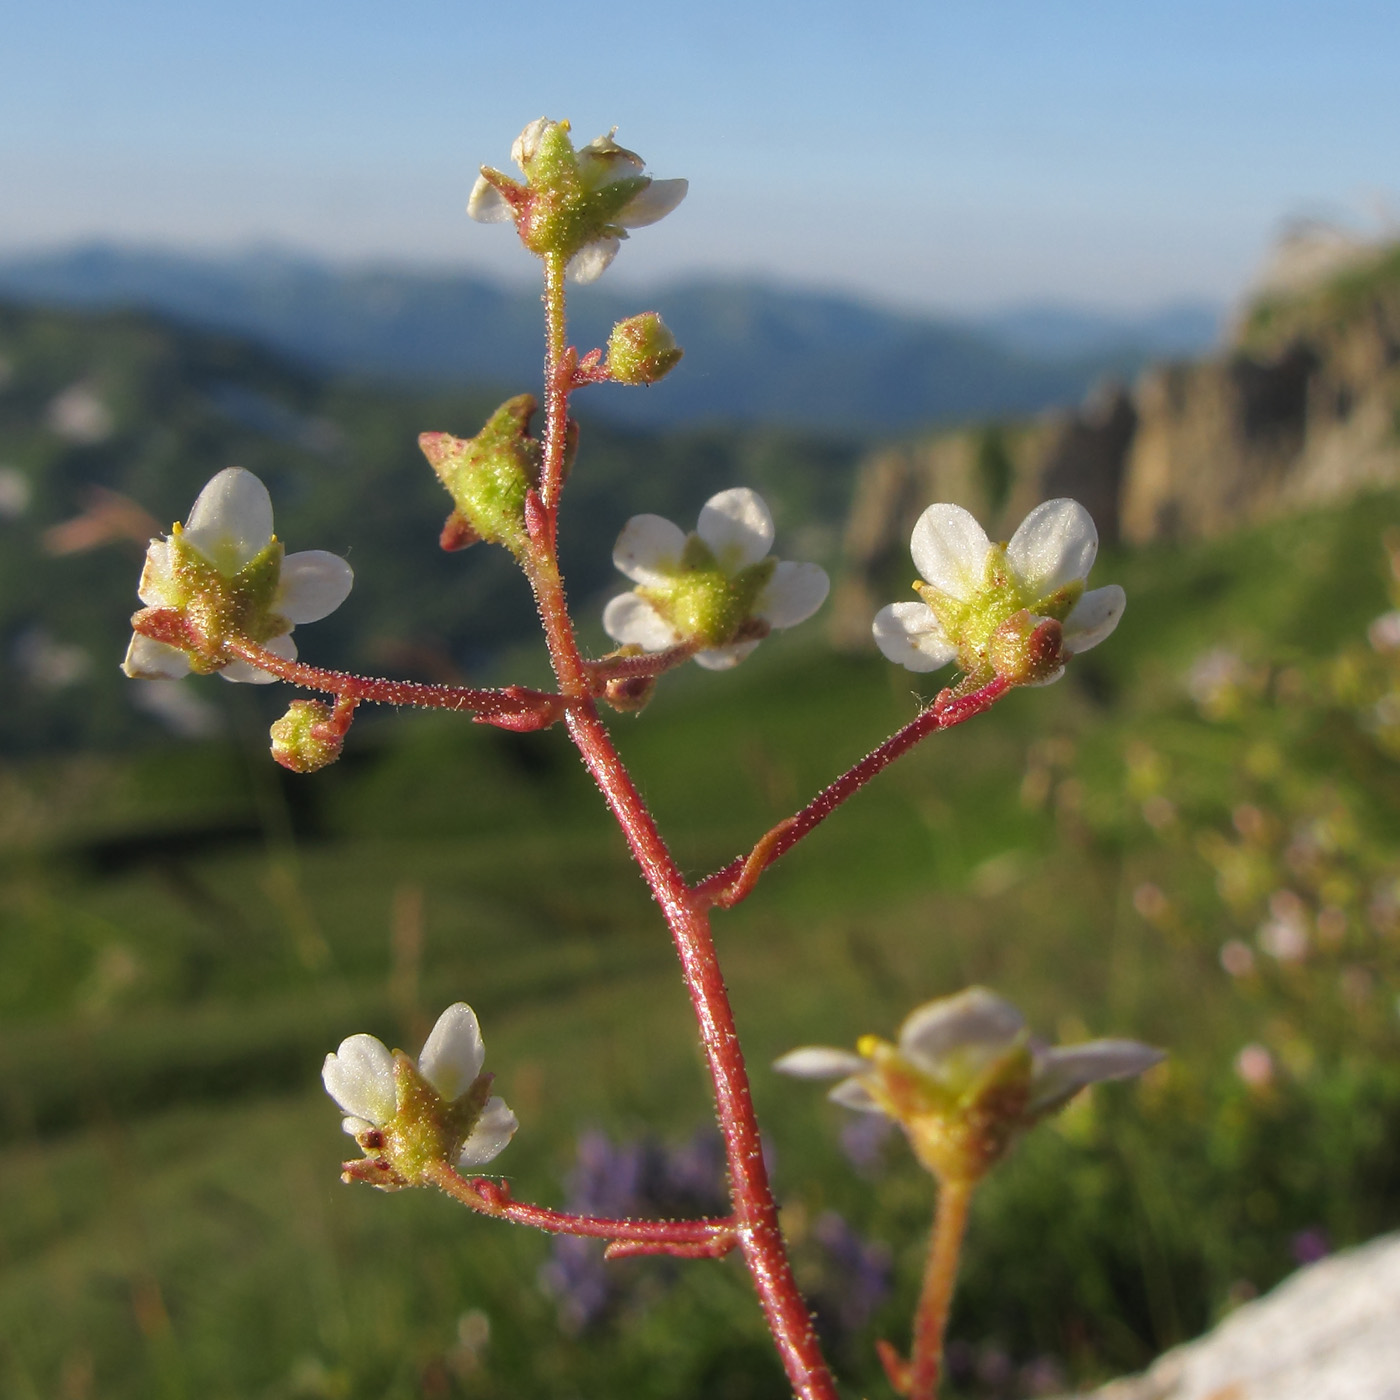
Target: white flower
x=951, y=1052
x=713, y=584
x=604, y=215
x=360, y=1078
x=230, y=529
x=971, y=587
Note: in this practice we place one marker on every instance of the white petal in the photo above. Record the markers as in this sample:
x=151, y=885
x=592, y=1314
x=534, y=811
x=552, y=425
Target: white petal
x=355, y=1126
x=1093, y=617
x=523, y=148
x=910, y=635
x=724, y=658
x=1062, y=1073
x=974, y=1019
x=737, y=526
x=653, y=203
x=1055, y=545
x=851, y=1093
x=820, y=1062
x=950, y=550
x=494, y=1129
x=158, y=587
x=649, y=550
x=313, y=585
x=230, y=523
x=592, y=260
x=632, y=620
x=487, y=205
x=454, y=1052
x=148, y=660
x=360, y=1078
x=793, y=594
x=602, y=162
x=241, y=671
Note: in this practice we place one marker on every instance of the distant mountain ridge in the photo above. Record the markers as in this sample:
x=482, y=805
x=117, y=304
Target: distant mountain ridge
x=754, y=354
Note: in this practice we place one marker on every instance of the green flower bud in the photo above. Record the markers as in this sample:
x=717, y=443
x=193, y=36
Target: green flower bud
x=642, y=350
x=303, y=741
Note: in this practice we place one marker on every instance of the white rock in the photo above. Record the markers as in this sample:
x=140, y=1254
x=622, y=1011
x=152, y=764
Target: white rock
x=1328, y=1332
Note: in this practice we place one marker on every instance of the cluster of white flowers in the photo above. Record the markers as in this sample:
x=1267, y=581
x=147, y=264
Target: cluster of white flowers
x=715, y=586
x=1016, y=611
x=706, y=586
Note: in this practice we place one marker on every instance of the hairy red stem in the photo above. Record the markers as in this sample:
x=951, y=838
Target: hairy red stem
x=515, y=706
x=715, y=1237
x=736, y=880
x=936, y=1297
x=755, y=1212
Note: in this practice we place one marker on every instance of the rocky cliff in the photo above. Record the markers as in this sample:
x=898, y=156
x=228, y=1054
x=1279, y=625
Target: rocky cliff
x=1302, y=406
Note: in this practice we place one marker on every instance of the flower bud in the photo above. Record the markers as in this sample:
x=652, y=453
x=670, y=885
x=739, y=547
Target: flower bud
x=642, y=350
x=303, y=739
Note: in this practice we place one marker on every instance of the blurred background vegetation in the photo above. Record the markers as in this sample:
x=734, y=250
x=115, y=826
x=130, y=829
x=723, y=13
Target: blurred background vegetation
x=1191, y=840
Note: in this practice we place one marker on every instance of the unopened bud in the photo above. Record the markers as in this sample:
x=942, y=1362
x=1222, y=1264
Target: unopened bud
x=304, y=740
x=642, y=350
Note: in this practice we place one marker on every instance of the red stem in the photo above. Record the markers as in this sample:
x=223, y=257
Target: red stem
x=736, y=880
x=755, y=1212
x=712, y=1238
x=936, y=1298
x=515, y=706
x=649, y=663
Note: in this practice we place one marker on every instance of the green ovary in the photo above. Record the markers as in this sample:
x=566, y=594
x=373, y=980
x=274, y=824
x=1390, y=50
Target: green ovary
x=703, y=601
x=970, y=624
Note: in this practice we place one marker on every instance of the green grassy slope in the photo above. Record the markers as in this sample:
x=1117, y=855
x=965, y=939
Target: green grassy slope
x=185, y=931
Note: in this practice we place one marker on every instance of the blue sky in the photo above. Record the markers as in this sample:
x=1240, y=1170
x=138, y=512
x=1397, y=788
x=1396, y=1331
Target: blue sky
x=960, y=156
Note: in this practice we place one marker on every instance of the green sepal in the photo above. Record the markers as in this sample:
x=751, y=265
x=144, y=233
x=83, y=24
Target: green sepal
x=971, y=624
x=962, y=1121
x=426, y=1128
x=489, y=475
x=703, y=601
x=566, y=207
x=222, y=606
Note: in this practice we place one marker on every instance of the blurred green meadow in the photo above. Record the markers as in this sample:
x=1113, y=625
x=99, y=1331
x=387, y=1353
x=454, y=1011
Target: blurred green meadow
x=185, y=931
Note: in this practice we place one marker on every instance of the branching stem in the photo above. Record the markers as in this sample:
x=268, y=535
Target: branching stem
x=755, y=1212
x=736, y=881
